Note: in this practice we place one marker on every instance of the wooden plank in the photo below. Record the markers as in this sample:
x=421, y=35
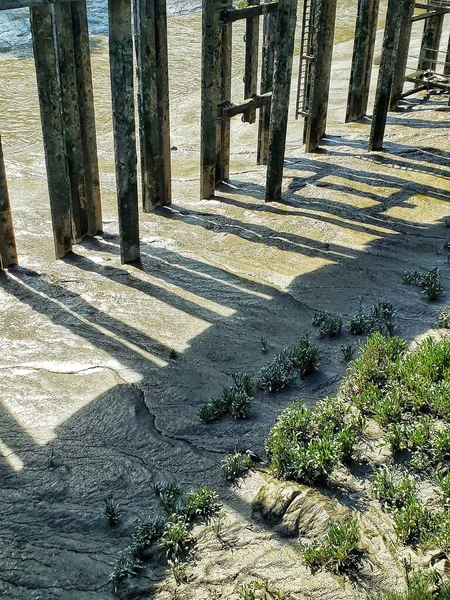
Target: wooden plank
x=363, y=51
x=49, y=93
x=323, y=37
x=251, y=62
x=405, y=27
x=267, y=68
x=8, y=250
x=62, y=14
x=11, y=4
x=284, y=52
x=431, y=40
x=386, y=74
x=211, y=87
x=237, y=14
x=122, y=93
x=252, y=103
x=87, y=116
x=223, y=170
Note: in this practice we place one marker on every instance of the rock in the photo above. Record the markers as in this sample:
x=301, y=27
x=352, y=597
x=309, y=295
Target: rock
x=273, y=500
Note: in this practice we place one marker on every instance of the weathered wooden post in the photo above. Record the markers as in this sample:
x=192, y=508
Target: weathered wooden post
x=8, y=251
x=65, y=51
x=284, y=52
x=386, y=73
x=447, y=59
x=323, y=36
x=211, y=89
x=87, y=116
x=251, y=62
x=268, y=55
x=52, y=126
x=223, y=157
x=405, y=28
x=363, y=51
x=153, y=102
x=122, y=92
x=431, y=39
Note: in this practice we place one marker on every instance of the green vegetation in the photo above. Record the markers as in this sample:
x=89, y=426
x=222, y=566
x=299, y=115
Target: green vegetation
x=176, y=537
x=235, y=465
x=111, y=512
x=421, y=585
x=443, y=317
x=379, y=317
x=429, y=282
x=178, y=570
x=329, y=325
x=347, y=352
x=339, y=551
x=125, y=566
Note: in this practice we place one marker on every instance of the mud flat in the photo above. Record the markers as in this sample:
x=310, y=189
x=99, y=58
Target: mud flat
x=93, y=404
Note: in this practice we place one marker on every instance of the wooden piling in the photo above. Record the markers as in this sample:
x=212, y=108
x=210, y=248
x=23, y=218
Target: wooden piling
x=363, y=51
x=8, y=251
x=405, y=29
x=447, y=59
x=49, y=93
x=431, y=39
x=386, y=73
x=87, y=116
x=284, y=51
x=223, y=169
x=267, y=68
x=122, y=93
x=153, y=102
x=251, y=61
x=323, y=37
x=65, y=51
x=211, y=87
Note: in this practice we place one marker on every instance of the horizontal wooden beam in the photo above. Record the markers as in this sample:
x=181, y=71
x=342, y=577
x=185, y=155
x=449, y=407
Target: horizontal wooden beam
x=236, y=14
x=431, y=84
x=231, y=110
x=9, y=4
x=429, y=15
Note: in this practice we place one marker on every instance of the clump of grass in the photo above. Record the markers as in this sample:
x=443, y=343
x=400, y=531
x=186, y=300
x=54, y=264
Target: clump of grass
x=202, y=503
x=421, y=585
x=173, y=354
x=393, y=488
x=443, y=482
x=347, y=352
x=443, y=317
x=125, y=566
x=414, y=523
x=339, y=551
x=111, y=512
x=235, y=465
x=361, y=322
x=178, y=570
x=396, y=437
x=264, y=347
x=145, y=535
x=328, y=325
x=379, y=317
x=169, y=495
x=429, y=282
x=234, y=401
x=304, y=357
x=176, y=537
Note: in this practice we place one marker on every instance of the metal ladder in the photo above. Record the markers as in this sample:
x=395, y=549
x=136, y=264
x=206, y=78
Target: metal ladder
x=305, y=59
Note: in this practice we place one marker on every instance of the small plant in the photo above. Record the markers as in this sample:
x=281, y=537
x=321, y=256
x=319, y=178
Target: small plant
x=443, y=482
x=421, y=585
x=244, y=382
x=235, y=465
x=145, y=535
x=250, y=591
x=312, y=463
x=201, y=504
x=169, y=494
x=413, y=522
x=396, y=437
x=339, y=552
x=304, y=357
x=173, y=354
x=329, y=325
x=264, y=347
x=176, y=537
x=429, y=282
x=178, y=570
x=347, y=352
x=111, y=512
x=124, y=567
x=443, y=317
x=393, y=488
x=361, y=322
x=234, y=400
x=240, y=405
x=276, y=374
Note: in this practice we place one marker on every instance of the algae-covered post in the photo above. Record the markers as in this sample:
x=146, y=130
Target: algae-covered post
x=122, y=92
x=52, y=126
x=251, y=61
x=431, y=38
x=284, y=52
x=323, y=37
x=223, y=170
x=386, y=73
x=87, y=116
x=405, y=29
x=153, y=100
x=363, y=51
x=65, y=51
x=268, y=54
x=8, y=251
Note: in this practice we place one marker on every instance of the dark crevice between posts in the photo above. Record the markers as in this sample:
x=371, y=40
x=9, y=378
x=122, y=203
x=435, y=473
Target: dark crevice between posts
x=153, y=102
x=122, y=93
x=284, y=52
x=363, y=52
x=267, y=69
x=51, y=109
x=320, y=73
x=395, y=15
x=8, y=251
